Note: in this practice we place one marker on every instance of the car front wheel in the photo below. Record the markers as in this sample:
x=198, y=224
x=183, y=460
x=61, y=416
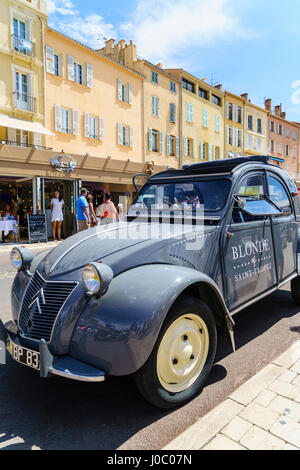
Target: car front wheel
x=295, y=289
x=182, y=357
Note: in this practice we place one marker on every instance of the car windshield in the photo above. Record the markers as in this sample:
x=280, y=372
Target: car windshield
x=177, y=196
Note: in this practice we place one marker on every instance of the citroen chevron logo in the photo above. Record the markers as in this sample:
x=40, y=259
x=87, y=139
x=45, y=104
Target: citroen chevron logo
x=36, y=299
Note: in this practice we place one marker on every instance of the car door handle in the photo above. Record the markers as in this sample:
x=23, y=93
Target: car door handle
x=229, y=234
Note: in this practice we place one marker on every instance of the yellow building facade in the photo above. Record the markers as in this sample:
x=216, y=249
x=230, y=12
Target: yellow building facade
x=255, y=129
x=234, y=125
x=202, y=116
x=22, y=91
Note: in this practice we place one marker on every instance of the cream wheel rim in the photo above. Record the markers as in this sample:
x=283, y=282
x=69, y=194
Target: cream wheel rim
x=182, y=353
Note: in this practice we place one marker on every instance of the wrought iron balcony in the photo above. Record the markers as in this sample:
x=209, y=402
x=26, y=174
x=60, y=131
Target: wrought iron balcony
x=24, y=101
x=22, y=45
x=14, y=143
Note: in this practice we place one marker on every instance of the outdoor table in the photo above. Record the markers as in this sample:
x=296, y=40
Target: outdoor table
x=6, y=226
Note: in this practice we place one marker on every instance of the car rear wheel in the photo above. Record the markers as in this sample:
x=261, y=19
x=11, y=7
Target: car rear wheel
x=182, y=357
x=295, y=289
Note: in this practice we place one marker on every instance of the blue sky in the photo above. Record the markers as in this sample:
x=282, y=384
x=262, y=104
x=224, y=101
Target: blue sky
x=247, y=45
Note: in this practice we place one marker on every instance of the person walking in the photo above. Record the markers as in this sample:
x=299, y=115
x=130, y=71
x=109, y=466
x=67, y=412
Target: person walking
x=107, y=211
x=56, y=206
x=83, y=216
x=93, y=218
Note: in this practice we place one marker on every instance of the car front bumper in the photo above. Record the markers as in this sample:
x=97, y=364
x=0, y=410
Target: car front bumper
x=64, y=366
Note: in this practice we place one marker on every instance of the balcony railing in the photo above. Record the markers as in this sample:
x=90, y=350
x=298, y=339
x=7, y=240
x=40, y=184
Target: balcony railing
x=24, y=144
x=22, y=45
x=24, y=101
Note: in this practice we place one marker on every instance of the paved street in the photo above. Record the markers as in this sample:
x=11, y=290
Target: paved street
x=62, y=414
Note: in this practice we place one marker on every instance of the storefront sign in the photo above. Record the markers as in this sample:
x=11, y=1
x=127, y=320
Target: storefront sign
x=37, y=228
x=63, y=163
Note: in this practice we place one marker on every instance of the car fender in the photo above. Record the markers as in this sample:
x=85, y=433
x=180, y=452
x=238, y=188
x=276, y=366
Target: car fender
x=118, y=331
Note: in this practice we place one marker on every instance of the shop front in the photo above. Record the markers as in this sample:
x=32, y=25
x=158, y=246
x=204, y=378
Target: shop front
x=30, y=177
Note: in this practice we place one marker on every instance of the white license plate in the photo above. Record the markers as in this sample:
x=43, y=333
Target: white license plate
x=23, y=355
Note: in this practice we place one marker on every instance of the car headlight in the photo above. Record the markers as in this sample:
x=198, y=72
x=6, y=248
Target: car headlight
x=21, y=258
x=96, y=278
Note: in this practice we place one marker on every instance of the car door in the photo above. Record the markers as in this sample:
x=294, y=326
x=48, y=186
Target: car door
x=249, y=267
x=284, y=228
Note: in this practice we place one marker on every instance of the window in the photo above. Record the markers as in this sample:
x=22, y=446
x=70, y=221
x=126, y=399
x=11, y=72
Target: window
x=272, y=146
x=251, y=189
x=279, y=148
x=190, y=112
x=229, y=140
x=125, y=135
x=205, y=118
x=190, y=86
x=154, y=77
x=217, y=123
x=21, y=42
x=294, y=135
x=230, y=111
x=278, y=195
x=294, y=152
x=286, y=150
x=155, y=106
x=203, y=93
x=280, y=129
x=203, y=150
x=171, y=145
x=79, y=73
x=259, y=144
x=124, y=91
x=53, y=62
x=272, y=126
x=65, y=121
x=216, y=100
x=288, y=132
x=250, y=142
x=172, y=112
x=22, y=98
x=78, y=77
x=173, y=86
x=259, y=126
x=188, y=147
x=250, y=122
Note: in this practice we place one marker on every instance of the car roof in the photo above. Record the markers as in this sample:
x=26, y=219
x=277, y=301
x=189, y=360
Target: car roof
x=217, y=167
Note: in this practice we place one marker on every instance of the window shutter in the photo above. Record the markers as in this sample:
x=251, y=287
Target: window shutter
x=161, y=142
x=101, y=128
x=185, y=146
x=70, y=65
x=227, y=110
x=57, y=117
x=237, y=137
x=11, y=134
x=97, y=128
x=120, y=133
x=131, y=136
x=177, y=146
x=242, y=139
x=37, y=140
x=168, y=145
x=127, y=136
x=75, y=122
x=153, y=105
x=194, y=149
x=69, y=122
x=89, y=75
x=130, y=93
x=242, y=115
x=201, y=150
x=86, y=119
x=227, y=135
x=49, y=59
x=192, y=113
x=119, y=87
x=213, y=152
x=60, y=73
x=150, y=138
x=209, y=152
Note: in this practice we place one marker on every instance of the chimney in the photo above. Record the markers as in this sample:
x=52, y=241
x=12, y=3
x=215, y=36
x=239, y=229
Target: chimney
x=283, y=115
x=268, y=105
x=218, y=87
x=159, y=65
x=245, y=96
x=204, y=79
x=130, y=55
x=122, y=43
x=278, y=110
x=109, y=45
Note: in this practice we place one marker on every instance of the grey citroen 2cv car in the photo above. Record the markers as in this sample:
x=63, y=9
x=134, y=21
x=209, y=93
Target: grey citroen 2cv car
x=117, y=301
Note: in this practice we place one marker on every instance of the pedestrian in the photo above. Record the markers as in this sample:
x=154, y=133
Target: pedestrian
x=56, y=206
x=107, y=211
x=83, y=216
x=93, y=218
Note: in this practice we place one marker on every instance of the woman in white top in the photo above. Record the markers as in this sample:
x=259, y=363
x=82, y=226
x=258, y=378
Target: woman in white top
x=56, y=206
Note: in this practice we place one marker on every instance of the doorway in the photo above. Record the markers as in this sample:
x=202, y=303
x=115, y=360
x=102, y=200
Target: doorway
x=66, y=190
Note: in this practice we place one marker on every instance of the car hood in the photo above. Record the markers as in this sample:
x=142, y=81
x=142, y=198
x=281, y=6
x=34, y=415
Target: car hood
x=127, y=244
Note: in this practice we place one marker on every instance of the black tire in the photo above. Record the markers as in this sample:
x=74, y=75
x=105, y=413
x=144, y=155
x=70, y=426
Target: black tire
x=295, y=289
x=147, y=379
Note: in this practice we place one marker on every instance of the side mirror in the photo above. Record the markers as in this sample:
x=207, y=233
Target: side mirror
x=260, y=207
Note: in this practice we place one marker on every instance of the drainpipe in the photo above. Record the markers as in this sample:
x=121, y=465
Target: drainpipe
x=44, y=73
x=143, y=122
x=180, y=127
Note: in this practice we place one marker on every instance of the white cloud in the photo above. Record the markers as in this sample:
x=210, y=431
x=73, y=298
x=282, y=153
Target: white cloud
x=90, y=29
x=169, y=29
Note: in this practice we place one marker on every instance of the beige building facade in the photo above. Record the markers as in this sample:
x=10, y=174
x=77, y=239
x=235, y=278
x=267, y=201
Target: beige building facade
x=255, y=128
x=234, y=125
x=202, y=119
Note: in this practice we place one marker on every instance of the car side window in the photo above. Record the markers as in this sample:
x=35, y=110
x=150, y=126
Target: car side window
x=253, y=186
x=279, y=196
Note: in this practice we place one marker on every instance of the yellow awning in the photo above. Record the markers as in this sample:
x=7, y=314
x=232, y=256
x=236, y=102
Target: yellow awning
x=8, y=121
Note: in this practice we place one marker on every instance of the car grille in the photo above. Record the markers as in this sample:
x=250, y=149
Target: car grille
x=37, y=317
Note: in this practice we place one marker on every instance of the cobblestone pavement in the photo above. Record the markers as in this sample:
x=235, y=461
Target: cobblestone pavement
x=262, y=414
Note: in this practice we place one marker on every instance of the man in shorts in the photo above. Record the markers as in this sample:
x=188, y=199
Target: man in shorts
x=83, y=218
